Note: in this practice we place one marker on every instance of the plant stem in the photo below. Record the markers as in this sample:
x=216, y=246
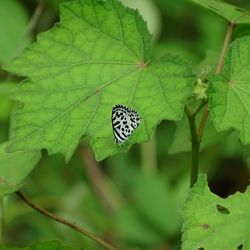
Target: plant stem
x=148, y=157
x=195, y=147
x=31, y=26
x=224, y=48
x=34, y=19
x=217, y=71
x=203, y=123
x=65, y=222
x=196, y=135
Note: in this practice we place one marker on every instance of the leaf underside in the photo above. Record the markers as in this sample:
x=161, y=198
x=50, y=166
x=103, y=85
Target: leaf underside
x=96, y=57
x=230, y=91
x=208, y=219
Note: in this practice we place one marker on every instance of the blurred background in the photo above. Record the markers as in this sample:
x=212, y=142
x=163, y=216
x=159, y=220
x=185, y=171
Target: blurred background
x=134, y=199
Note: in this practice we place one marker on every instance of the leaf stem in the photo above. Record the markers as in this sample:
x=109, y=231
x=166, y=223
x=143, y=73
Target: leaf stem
x=196, y=135
x=224, y=48
x=63, y=221
x=35, y=18
x=199, y=107
x=195, y=146
x=31, y=25
x=148, y=157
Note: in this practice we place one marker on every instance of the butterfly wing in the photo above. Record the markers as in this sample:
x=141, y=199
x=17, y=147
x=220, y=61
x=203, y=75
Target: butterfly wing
x=124, y=122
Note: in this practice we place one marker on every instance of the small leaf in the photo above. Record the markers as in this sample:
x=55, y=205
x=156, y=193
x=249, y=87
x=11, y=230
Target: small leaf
x=228, y=11
x=230, y=91
x=14, y=167
x=96, y=57
x=204, y=226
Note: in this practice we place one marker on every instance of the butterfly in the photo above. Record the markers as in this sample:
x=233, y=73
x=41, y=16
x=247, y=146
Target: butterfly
x=124, y=122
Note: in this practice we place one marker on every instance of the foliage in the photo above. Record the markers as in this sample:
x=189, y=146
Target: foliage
x=81, y=79
x=214, y=219
x=230, y=91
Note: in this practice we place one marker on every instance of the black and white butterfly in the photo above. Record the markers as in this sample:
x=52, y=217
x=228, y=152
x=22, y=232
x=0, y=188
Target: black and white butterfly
x=124, y=122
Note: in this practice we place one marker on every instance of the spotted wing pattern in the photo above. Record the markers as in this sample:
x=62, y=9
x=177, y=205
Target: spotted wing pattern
x=124, y=122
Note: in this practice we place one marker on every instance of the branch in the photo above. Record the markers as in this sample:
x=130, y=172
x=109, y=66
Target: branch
x=63, y=221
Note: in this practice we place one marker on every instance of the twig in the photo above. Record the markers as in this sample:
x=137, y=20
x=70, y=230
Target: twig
x=103, y=189
x=30, y=27
x=63, y=221
x=34, y=19
x=224, y=48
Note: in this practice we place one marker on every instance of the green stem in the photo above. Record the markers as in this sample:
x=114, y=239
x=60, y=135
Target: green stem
x=195, y=147
x=196, y=135
x=224, y=48
x=148, y=157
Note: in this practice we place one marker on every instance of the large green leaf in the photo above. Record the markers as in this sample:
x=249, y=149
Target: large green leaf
x=230, y=91
x=228, y=11
x=12, y=29
x=98, y=56
x=211, y=222
x=14, y=167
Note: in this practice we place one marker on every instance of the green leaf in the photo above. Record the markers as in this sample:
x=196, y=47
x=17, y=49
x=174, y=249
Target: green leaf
x=98, y=56
x=14, y=167
x=12, y=29
x=182, y=137
x=230, y=91
x=46, y=245
x=208, y=219
x=228, y=11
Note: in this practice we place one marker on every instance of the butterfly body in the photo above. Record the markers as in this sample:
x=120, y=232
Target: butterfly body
x=124, y=122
